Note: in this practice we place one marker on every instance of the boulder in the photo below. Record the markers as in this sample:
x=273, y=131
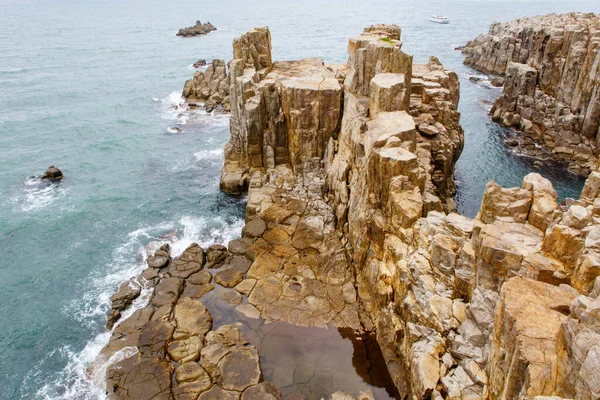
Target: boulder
x=53, y=174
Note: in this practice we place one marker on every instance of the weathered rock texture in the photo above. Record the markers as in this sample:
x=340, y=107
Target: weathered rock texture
x=291, y=113
x=210, y=87
x=552, y=87
x=198, y=29
x=349, y=172
x=169, y=347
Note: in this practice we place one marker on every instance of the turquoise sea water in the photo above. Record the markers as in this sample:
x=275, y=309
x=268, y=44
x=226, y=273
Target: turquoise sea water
x=91, y=87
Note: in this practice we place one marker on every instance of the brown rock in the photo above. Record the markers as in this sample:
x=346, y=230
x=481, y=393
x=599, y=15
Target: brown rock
x=523, y=351
x=254, y=228
x=229, y=277
x=53, y=174
x=262, y=391
x=239, y=369
x=193, y=319
x=218, y=393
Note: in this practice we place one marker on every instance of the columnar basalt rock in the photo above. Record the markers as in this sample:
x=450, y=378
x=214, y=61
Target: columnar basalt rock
x=552, y=87
x=282, y=113
x=210, y=86
x=168, y=348
x=355, y=228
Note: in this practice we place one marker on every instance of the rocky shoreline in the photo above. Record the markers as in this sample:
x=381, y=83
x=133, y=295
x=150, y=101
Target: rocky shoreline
x=551, y=91
x=350, y=224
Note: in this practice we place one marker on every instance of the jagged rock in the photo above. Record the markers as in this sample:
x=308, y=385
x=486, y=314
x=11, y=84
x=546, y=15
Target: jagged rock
x=423, y=347
x=198, y=29
x=528, y=319
x=544, y=203
x=121, y=300
x=254, y=228
x=349, y=228
x=509, y=205
x=210, y=86
x=389, y=93
x=215, y=255
x=161, y=258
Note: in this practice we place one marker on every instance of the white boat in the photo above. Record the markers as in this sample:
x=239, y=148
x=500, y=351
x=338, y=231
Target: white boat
x=439, y=19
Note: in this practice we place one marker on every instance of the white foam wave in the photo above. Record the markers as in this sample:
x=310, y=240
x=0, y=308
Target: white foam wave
x=37, y=194
x=212, y=156
x=201, y=69
x=215, y=154
x=77, y=380
x=173, y=107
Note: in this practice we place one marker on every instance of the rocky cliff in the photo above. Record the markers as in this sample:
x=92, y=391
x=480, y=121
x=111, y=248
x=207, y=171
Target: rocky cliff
x=552, y=87
x=349, y=224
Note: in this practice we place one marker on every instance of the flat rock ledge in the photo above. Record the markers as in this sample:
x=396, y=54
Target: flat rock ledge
x=551, y=90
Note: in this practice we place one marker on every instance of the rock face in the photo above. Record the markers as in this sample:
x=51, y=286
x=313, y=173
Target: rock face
x=210, y=87
x=349, y=172
x=552, y=90
x=289, y=113
x=462, y=308
x=196, y=30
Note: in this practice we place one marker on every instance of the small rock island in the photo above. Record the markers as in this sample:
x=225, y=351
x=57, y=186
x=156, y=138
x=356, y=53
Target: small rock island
x=196, y=30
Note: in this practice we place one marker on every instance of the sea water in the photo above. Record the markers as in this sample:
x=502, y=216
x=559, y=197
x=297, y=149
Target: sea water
x=94, y=87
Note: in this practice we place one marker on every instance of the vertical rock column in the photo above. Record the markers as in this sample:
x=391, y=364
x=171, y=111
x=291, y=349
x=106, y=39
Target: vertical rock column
x=252, y=62
x=312, y=107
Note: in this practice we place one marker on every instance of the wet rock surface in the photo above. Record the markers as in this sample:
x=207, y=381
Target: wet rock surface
x=551, y=89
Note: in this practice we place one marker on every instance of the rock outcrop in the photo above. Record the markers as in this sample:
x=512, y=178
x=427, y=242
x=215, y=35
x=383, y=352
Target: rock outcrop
x=198, y=29
x=350, y=224
x=552, y=86
x=291, y=113
x=210, y=87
